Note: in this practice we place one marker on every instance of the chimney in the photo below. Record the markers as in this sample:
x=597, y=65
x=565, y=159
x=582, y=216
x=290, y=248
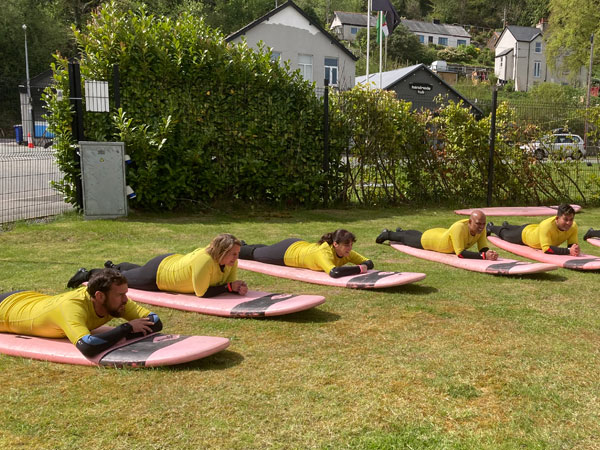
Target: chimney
x=542, y=25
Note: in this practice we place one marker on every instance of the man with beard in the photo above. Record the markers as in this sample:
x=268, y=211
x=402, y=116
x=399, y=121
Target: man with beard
x=74, y=314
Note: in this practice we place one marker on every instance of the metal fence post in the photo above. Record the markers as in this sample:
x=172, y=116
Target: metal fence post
x=77, y=125
x=326, y=143
x=492, y=143
x=116, y=90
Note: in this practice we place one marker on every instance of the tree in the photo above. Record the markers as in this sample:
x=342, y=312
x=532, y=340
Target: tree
x=568, y=41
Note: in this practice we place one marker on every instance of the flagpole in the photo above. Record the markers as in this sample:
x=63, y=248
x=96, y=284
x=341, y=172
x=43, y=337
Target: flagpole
x=380, y=31
x=368, y=36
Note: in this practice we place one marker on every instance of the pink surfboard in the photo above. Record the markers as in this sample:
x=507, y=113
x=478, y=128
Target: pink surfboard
x=516, y=210
x=581, y=262
x=499, y=267
x=373, y=279
x=253, y=304
x=594, y=241
x=154, y=350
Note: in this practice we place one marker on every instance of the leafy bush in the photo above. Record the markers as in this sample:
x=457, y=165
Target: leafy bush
x=202, y=119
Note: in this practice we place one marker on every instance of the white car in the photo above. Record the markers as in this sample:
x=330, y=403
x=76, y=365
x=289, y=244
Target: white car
x=559, y=145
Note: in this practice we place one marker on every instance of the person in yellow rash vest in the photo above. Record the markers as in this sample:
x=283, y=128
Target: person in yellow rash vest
x=205, y=272
x=547, y=235
x=457, y=239
x=75, y=314
x=329, y=255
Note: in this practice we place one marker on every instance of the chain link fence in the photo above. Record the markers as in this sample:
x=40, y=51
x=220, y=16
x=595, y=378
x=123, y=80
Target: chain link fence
x=27, y=161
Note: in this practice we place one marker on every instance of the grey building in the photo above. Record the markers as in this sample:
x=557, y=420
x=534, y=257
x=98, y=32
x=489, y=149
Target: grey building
x=293, y=36
x=420, y=86
x=346, y=24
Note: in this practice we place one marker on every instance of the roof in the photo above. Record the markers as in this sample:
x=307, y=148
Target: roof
x=393, y=77
x=290, y=3
x=352, y=18
x=388, y=78
x=524, y=34
x=504, y=52
x=416, y=26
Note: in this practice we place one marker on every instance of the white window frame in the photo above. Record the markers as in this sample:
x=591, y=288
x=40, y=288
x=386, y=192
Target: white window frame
x=538, y=47
x=461, y=42
x=332, y=69
x=306, y=68
x=445, y=39
x=537, y=69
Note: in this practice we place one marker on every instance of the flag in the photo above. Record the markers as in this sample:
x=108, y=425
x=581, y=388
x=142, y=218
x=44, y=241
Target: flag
x=382, y=27
x=392, y=18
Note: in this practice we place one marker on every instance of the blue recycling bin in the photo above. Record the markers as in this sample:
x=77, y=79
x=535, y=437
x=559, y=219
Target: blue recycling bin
x=19, y=133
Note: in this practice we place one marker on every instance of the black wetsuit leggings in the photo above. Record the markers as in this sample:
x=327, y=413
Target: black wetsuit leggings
x=4, y=296
x=412, y=238
x=142, y=277
x=510, y=233
x=269, y=254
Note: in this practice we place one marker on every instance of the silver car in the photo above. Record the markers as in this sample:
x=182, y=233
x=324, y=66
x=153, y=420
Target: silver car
x=558, y=145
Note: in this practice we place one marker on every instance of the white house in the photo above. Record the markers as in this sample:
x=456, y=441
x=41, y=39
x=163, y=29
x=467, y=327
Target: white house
x=347, y=24
x=520, y=57
x=293, y=36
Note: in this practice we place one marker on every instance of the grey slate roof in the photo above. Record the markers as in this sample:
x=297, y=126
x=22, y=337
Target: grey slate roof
x=416, y=26
x=352, y=18
x=523, y=34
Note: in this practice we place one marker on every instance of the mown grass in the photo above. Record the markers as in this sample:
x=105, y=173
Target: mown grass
x=459, y=360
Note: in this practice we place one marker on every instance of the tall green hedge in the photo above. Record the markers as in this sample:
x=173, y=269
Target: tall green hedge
x=202, y=119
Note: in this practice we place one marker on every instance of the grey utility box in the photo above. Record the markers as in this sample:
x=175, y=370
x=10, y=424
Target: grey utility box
x=103, y=179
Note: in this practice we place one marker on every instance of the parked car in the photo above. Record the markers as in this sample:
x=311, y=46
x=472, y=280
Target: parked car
x=558, y=145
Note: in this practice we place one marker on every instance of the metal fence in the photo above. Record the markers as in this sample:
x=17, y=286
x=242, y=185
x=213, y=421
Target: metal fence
x=27, y=166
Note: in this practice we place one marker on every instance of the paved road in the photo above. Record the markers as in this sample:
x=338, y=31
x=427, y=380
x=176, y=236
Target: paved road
x=25, y=176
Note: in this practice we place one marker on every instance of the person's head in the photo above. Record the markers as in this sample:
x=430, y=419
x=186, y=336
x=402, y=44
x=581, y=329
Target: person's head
x=342, y=240
x=108, y=290
x=477, y=221
x=224, y=249
x=565, y=216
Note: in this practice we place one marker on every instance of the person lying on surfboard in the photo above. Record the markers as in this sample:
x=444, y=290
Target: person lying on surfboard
x=547, y=235
x=591, y=233
x=329, y=255
x=457, y=239
x=73, y=314
x=205, y=272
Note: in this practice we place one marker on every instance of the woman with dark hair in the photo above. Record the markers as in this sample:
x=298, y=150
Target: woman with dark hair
x=205, y=272
x=328, y=255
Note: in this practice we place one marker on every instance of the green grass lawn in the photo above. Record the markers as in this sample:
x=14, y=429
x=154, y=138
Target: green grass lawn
x=458, y=360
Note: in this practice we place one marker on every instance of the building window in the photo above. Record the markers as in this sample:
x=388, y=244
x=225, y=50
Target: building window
x=430, y=39
x=537, y=68
x=442, y=41
x=275, y=56
x=331, y=71
x=353, y=30
x=421, y=38
x=461, y=42
x=538, y=47
x=305, y=64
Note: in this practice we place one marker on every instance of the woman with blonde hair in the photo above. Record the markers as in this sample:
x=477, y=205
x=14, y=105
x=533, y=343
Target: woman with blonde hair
x=205, y=272
x=329, y=255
